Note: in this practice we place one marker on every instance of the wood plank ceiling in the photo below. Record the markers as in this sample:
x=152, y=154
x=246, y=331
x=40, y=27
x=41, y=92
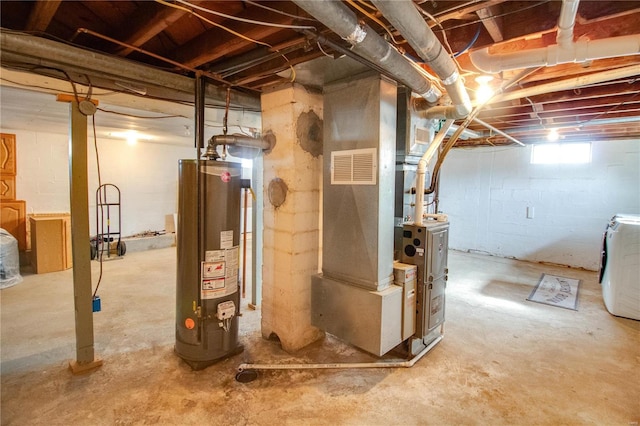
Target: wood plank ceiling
x=185, y=37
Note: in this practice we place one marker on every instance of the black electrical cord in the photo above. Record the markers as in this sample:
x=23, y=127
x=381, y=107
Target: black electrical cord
x=471, y=43
x=95, y=141
x=95, y=144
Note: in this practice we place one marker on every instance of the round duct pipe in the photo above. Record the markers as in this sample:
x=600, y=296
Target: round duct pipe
x=341, y=20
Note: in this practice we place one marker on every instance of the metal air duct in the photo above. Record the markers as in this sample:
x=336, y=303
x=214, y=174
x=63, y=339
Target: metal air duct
x=406, y=19
x=341, y=20
x=265, y=143
x=354, y=298
x=36, y=54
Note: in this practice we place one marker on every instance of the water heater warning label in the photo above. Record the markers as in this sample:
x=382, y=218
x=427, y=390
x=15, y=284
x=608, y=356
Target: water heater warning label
x=212, y=288
x=220, y=272
x=226, y=239
x=213, y=270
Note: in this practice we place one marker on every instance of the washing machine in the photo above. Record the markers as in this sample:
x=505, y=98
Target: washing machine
x=620, y=266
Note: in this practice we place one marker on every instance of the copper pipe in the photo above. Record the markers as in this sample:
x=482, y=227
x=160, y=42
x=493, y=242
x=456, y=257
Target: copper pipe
x=244, y=246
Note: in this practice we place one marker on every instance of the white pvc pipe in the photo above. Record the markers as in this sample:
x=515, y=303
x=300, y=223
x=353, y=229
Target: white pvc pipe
x=564, y=52
x=566, y=21
x=422, y=170
x=568, y=84
x=581, y=51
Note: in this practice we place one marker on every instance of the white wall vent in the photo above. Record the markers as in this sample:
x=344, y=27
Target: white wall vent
x=354, y=167
x=424, y=135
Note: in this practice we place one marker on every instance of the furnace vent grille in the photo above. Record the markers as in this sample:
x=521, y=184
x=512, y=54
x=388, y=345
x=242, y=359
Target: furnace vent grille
x=354, y=167
x=423, y=135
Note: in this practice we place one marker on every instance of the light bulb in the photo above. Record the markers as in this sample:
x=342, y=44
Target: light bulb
x=553, y=135
x=483, y=93
x=483, y=79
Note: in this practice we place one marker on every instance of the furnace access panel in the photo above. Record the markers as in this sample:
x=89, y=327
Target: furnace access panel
x=426, y=247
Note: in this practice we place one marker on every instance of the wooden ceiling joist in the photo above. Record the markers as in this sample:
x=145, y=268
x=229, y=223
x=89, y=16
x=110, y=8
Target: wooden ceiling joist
x=41, y=15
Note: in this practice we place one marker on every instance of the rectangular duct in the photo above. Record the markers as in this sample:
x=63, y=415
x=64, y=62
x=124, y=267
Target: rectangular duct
x=358, y=191
x=355, y=298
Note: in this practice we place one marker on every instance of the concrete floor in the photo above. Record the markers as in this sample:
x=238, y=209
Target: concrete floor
x=504, y=360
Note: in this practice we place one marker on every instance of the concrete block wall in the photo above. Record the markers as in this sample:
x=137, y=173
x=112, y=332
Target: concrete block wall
x=147, y=175
x=291, y=245
x=486, y=193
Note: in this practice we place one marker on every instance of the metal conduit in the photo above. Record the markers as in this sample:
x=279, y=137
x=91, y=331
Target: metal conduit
x=341, y=20
x=342, y=365
x=498, y=131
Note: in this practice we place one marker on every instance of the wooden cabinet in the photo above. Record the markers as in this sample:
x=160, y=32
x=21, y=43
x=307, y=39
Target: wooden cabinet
x=7, y=154
x=13, y=219
x=12, y=215
x=51, y=243
x=7, y=166
x=7, y=187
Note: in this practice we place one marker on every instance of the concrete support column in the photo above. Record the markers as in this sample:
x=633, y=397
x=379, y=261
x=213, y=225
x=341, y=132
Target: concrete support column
x=292, y=194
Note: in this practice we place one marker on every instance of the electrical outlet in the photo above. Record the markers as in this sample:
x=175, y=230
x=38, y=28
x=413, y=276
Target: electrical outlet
x=96, y=304
x=530, y=212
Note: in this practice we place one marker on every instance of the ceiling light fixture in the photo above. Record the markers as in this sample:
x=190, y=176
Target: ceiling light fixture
x=131, y=136
x=484, y=79
x=553, y=135
x=483, y=91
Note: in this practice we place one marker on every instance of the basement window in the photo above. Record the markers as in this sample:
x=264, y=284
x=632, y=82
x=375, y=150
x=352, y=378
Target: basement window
x=561, y=153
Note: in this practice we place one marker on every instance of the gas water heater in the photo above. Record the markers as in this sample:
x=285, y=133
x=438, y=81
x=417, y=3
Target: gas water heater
x=207, y=296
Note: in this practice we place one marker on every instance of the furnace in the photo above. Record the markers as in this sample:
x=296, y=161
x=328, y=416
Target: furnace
x=372, y=145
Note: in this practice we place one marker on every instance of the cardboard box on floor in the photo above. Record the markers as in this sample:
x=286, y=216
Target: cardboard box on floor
x=51, y=242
